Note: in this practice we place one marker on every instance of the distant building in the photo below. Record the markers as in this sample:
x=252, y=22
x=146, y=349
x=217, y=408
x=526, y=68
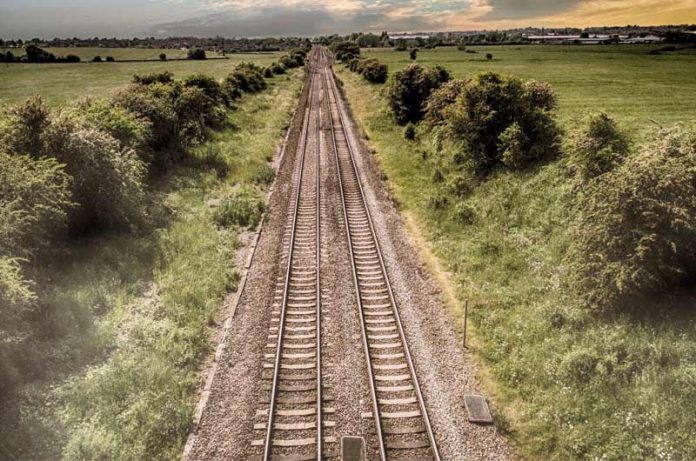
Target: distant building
x=586, y=39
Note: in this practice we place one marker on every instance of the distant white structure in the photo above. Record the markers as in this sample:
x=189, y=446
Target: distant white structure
x=591, y=39
x=409, y=37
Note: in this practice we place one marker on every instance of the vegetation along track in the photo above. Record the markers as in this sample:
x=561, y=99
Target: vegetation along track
x=293, y=425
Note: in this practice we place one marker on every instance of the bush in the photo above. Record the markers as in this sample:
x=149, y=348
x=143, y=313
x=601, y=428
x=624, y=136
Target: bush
x=373, y=71
x=35, y=197
x=410, y=89
x=22, y=125
x=158, y=112
x=195, y=111
x=489, y=56
x=248, y=77
x=110, y=59
x=72, y=58
x=242, y=208
x=107, y=178
x=197, y=54
x=123, y=125
x=278, y=68
x=413, y=54
x=500, y=123
x=230, y=89
x=162, y=57
x=636, y=226
x=97, y=59
x=597, y=146
x=264, y=175
x=209, y=85
x=154, y=77
x=268, y=72
x=344, y=51
x=441, y=98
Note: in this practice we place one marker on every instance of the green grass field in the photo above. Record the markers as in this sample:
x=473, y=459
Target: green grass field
x=625, y=81
x=568, y=384
x=62, y=83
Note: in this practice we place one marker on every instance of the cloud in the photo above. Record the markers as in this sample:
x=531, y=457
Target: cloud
x=526, y=9
x=305, y=17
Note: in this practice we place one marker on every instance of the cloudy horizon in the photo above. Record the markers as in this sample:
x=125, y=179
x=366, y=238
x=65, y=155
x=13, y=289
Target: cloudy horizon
x=243, y=18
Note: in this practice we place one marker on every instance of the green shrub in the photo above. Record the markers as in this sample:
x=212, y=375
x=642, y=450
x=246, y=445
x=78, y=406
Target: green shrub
x=441, y=98
x=413, y=54
x=597, y=146
x=153, y=77
x=344, y=51
x=107, y=178
x=22, y=125
x=209, y=85
x=35, y=197
x=500, y=123
x=410, y=89
x=278, y=68
x=158, y=112
x=248, y=77
x=268, y=72
x=123, y=125
x=636, y=225
x=230, y=89
x=195, y=111
x=264, y=175
x=242, y=208
x=373, y=70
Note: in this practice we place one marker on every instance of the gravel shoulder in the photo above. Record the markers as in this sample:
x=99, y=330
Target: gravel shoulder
x=228, y=417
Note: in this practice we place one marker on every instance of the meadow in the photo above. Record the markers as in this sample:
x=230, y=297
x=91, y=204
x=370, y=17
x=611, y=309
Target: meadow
x=566, y=383
x=62, y=83
x=639, y=89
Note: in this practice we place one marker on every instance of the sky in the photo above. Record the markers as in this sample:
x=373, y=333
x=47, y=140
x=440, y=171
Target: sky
x=259, y=18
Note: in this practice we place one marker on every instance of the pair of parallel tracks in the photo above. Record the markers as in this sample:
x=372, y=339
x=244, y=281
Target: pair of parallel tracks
x=294, y=427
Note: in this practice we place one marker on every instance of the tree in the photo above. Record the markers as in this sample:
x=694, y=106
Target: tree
x=410, y=89
x=162, y=57
x=489, y=56
x=413, y=54
x=344, y=51
x=196, y=54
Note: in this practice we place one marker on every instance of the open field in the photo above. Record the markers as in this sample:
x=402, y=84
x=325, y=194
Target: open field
x=624, y=80
x=570, y=384
x=61, y=83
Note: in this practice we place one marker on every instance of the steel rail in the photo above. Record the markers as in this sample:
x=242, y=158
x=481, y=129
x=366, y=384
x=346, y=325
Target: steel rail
x=330, y=79
x=276, y=371
x=366, y=347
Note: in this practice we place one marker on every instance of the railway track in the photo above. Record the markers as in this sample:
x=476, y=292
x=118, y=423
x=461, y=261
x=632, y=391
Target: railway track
x=293, y=420
x=401, y=420
x=294, y=416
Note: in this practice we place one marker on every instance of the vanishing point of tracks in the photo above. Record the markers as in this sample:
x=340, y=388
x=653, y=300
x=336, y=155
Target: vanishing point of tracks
x=297, y=413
